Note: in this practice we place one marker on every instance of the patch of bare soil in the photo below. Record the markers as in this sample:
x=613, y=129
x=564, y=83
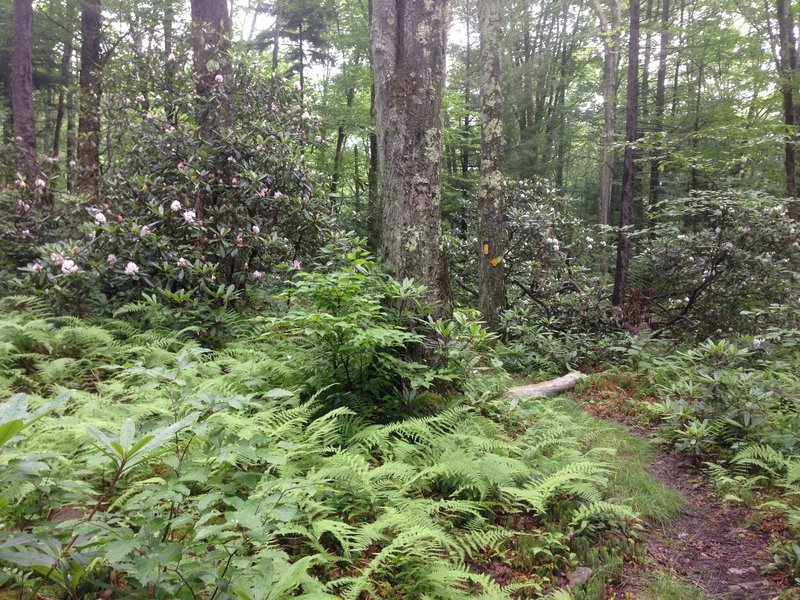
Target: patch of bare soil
x=719, y=549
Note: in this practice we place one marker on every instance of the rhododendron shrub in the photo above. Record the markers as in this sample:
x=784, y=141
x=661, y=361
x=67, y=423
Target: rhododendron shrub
x=189, y=217
x=707, y=258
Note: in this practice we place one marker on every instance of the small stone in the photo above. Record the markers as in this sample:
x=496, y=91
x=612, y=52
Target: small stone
x=579, y=575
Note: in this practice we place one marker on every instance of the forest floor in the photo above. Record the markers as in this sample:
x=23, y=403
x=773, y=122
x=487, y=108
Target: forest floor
x=705, y=549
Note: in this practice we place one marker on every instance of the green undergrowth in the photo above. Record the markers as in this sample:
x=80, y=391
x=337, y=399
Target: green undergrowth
x=135, y=461
x=631, y=482
x=661, y=585
x=732, y=406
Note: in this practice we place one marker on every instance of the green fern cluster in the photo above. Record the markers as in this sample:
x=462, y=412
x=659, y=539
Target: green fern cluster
x=261, y=489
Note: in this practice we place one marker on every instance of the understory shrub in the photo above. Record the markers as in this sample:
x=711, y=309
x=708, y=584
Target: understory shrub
x=196, y=223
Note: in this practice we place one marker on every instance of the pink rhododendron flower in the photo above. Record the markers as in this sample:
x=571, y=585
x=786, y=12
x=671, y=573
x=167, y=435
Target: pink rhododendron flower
x=182, y=262
x=111, y=259
x=189, y=216
x=256, y=229
x=305, y=115
x=297, y=86
x=239, y=240
x=181, y=165
x=171, y=57
x=219, y=78
x=145, y=231
x=263, y=192
x=257, y=274
x=139, y=98
x=175, y=206
x=234, y=180
x=278, y=195
x=37, y=266
x=57, y=258
x=68, y=267
x=100, y=219
x=120, y=218
x=131, y=268
x=72, y=163
x=296, y=264
x=39, y=183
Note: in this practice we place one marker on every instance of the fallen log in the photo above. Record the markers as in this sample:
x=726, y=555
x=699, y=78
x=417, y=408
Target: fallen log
x=545, y=388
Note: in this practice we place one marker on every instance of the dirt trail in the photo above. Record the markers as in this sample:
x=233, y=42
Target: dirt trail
x=716, y=548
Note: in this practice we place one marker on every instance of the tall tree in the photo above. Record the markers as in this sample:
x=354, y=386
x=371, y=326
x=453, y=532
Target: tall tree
x=788, y=67
x=89, y=122
x=491, y=206
x=21, y=84
x=629, y=168
x=408, y=55
x=211, y=25
x=211, y=29
x=661, y=93
x=65, y=80
x=610, y=26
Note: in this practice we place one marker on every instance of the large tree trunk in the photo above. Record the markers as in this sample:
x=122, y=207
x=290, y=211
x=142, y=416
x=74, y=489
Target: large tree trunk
x=408, y=56
x=661, y=93
x=21, y=83
x=89, y=122
x=66, y=59
x=72, y=142
x=491, y=207
x=629, y=169
x=787, y=58
x=211, y=26
x=374, y=196
x=169, y=63
x=610, y=27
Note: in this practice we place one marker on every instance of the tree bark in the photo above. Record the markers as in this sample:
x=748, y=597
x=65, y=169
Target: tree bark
x=629, y=169
x=21, y=83
x=661, y=93
x=408, y=56
x=491, y=205
x=787, y=54
x=373, y=191
x=211, y=26
x=611, y=44
x=89, y=122
x=66, y=59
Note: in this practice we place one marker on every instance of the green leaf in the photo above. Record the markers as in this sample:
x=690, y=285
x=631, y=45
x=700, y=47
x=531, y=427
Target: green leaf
x=10, y=429
x=126, y=433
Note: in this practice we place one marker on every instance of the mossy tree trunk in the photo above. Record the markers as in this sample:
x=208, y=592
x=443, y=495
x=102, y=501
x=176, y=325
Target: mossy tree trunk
x=89, y=121
x=491, y=205
x=21, y=84
x=211, y=26
x=629, y=168
x=408, y=53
